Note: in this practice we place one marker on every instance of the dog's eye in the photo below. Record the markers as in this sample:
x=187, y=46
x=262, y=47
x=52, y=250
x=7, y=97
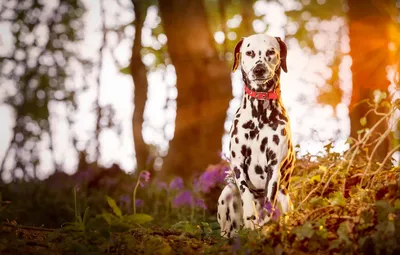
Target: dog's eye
x=250, y=53
x=270, y=52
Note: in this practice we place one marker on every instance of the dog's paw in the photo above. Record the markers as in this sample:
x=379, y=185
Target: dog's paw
x=250, y=222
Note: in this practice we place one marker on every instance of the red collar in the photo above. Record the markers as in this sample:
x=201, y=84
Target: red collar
x=262, y=95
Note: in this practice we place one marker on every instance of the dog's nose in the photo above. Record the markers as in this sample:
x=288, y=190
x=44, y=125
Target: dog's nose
x=259, y=70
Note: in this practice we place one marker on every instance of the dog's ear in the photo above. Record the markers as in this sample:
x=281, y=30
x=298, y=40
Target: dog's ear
x=283, y=53
x=236, y=60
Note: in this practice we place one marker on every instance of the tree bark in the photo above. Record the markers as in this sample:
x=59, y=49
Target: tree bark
x=369, y=40
x=139, y=77
x=204, y=88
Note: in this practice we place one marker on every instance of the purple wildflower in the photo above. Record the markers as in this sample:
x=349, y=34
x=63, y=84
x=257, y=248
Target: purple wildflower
x=125, y=199
x=200, y=203
x=139, y=203
x=144, y=177
x=176, y=184
x=270, y=211
x=162, y=185
x=210, y=179
x=184, y=198
x=236, y=244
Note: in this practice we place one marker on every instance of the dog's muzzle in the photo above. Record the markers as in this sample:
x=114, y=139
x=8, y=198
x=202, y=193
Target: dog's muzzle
x=259, y=70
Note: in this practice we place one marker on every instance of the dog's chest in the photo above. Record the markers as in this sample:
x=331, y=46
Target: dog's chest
x=259, y=140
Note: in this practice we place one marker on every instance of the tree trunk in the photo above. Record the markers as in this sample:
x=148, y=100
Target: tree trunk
x=369, y=40
x=246, y=28
x=204, y=88
x=139, y=76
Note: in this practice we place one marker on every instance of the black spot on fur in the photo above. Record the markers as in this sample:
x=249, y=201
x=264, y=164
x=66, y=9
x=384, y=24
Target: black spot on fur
x=228, y=217
x=246, y=136
x=246, y=151
x=252, y=217
x=269, y=171
x=258, y=169
x=222, y=202
x=253, y=134
x=242, y=185
x=248, y=45
x=244, y=103
x=237, y=172
x=234, y=224
x=262, y=177
x=233, y=154
x=219, y=216
x=236, y=140
x=248, y=125
x=231, y=228
x=276, y=139
x=270, y=154
x=263, y=145
x=274, y=189
x=235, y=129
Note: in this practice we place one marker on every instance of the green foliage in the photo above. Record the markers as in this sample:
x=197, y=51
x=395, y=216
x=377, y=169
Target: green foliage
x=111, y=202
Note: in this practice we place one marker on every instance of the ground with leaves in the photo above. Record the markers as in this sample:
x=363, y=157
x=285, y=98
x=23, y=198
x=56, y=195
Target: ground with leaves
x=338, y=209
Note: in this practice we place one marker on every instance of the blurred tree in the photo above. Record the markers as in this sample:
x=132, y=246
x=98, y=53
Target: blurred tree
x=369, y=29
x=139, y=75
x=34, y=75
x=247, y=12
x=204, y=88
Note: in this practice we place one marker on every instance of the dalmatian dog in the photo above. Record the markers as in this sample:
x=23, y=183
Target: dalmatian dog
x=262, y=156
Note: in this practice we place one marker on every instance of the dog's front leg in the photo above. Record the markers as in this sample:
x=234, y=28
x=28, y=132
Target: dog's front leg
x=249, y=214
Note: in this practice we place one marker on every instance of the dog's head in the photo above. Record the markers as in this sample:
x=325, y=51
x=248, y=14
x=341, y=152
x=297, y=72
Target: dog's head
x=260, y=56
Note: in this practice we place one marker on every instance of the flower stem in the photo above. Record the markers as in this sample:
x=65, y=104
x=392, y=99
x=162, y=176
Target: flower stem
x=76, y=207
x=134, y=195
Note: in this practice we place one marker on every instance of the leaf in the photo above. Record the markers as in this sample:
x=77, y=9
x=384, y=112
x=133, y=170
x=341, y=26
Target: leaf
x=360, y=131
x=107, y=217
x=111, y=202
x=323, y=168
x=304, y=231
x=139, y=218
x=157, y=245
x=379, y=96
x=397, y=103
x=125, y=70
x=387, y=104
x=363, y=121
x=185, y=226
x=318, y=201
x=315, y=178
x=397, y=204
x=85, y=215
x=383, y=210
x=338, y=199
